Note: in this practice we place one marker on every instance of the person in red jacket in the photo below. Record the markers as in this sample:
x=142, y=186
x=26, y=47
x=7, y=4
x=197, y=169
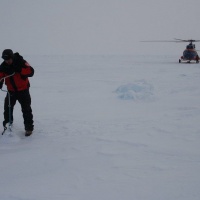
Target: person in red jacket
x=18, y=87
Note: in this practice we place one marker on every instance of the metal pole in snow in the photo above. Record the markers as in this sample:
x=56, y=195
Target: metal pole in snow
x=9, y=104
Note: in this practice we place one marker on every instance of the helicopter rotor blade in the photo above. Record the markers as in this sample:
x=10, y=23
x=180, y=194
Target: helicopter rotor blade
x=175, y=40
x=191, y=40
x=158, y=41
x=180, y=40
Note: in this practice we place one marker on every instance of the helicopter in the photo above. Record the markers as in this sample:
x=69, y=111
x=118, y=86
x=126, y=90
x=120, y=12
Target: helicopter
x=189, y=54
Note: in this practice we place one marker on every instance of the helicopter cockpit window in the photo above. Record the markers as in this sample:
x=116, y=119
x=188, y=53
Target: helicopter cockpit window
x=190, y=46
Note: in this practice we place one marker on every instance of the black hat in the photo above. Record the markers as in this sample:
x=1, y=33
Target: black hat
x=7, y=54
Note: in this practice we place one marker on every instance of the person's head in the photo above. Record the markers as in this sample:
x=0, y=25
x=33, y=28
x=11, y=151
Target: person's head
x=8, y=55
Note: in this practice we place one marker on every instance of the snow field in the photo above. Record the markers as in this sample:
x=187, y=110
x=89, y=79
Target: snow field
x=106, y=127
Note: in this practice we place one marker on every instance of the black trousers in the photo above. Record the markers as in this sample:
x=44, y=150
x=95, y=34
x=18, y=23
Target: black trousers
x=24, y=98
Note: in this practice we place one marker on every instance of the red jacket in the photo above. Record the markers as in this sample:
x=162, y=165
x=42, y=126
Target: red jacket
x=19, y=81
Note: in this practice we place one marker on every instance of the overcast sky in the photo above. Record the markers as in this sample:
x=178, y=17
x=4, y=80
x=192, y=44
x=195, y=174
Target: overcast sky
x=96, y=26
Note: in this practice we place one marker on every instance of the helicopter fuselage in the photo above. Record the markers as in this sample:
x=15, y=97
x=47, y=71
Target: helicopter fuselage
x=190, y=54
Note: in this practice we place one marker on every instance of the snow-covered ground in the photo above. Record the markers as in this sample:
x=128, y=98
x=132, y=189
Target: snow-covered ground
x=106, y=128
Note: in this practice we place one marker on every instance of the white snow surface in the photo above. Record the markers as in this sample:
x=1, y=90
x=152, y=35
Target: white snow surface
x=106, y=128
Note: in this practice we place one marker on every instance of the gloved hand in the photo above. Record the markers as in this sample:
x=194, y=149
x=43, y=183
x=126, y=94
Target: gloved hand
x=17, y=68
x=18, y=63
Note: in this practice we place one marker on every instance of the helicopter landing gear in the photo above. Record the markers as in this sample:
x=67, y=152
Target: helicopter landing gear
x=179, y=61
x=197, y=61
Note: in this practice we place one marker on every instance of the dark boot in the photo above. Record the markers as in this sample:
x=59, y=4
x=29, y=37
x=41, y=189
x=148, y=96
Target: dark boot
x=28, y=133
